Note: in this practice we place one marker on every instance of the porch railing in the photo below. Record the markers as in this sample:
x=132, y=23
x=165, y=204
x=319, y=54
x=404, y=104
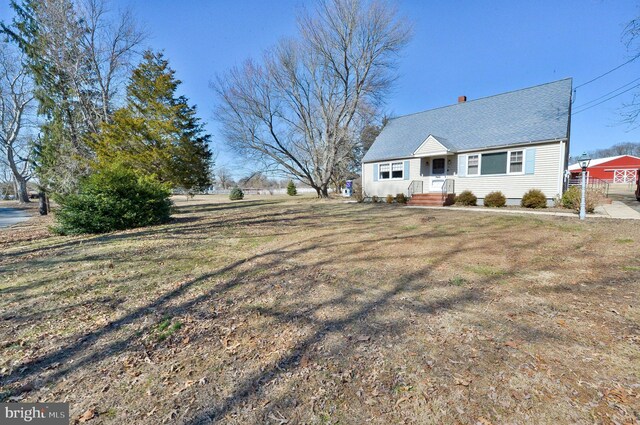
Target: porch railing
x=448, y=191
x=448, y=187
x=592, y=182
x=416, y=186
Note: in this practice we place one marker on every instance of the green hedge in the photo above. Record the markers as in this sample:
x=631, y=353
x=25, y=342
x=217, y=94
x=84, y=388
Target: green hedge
x=115, y=198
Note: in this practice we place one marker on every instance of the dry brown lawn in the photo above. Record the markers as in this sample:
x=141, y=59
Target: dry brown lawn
x=288, y=311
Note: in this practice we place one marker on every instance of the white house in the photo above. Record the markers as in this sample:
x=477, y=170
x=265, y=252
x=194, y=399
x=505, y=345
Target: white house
x=511, y=142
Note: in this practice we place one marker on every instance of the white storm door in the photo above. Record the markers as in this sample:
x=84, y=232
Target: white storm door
x=438, y=174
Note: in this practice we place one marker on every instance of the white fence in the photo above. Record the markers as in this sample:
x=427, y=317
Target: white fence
x=253, y=191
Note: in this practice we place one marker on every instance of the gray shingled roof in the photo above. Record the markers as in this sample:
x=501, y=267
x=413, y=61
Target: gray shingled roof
x=528, y=115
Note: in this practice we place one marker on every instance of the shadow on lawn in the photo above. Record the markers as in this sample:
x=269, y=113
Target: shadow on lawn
x=89, y=348
x=292, y=218
x=82, y=344
x=223, y=206
x=147, y=231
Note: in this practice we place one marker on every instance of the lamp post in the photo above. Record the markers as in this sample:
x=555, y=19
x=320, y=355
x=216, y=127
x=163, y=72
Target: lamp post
x=584, y=160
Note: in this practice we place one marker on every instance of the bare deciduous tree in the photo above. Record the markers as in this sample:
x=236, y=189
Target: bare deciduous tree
x=624, y=148
x=224, y=177
x=631, y=38
x=109, y=45
x=302, y=110
x=79, y=53
x=7, y=184
x=16, y=95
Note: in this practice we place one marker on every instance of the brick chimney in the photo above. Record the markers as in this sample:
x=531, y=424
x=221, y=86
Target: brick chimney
x=462, y=99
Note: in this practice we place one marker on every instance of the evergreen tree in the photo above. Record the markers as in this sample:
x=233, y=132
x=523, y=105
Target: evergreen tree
x=291, y=189
x=157, y=132
x=77, y=53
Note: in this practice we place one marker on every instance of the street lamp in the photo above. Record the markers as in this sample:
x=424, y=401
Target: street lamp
x=584, y=160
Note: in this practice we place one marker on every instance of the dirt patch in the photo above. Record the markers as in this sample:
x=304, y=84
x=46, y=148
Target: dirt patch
x=291, y=310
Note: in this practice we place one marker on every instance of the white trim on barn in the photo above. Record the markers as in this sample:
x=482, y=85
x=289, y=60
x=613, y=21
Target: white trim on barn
x=624, y=176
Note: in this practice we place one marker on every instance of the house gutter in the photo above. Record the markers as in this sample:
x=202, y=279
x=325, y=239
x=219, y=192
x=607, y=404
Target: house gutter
x=513, y=145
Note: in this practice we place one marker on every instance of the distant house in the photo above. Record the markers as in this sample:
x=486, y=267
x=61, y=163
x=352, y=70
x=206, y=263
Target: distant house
x=511, y=142
x=614, y=169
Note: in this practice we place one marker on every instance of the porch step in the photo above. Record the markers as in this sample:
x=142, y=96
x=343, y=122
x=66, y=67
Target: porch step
x=431, y=199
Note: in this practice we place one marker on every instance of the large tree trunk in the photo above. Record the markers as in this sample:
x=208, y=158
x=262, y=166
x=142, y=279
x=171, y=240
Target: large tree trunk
x=44, y=203
x=22, y=194
x=322, y=190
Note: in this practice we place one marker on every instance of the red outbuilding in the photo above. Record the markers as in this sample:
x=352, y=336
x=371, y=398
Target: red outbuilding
x=615, y=169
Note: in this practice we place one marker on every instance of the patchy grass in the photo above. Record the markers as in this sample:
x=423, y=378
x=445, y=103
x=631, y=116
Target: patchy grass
x=458, y=281
x=486, y=270
x=166, y=328
x=624, y=240
x=293, y=310
x=631, y=268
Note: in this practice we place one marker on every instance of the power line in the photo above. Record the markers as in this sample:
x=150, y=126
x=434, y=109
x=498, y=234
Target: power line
x=606, y=73
x=605, y=100
x=607, y=94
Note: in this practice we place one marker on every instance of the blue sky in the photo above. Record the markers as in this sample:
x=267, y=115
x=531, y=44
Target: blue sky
x=472, y=48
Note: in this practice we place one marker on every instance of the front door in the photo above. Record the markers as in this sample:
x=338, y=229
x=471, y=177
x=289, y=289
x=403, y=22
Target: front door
x=438, y=174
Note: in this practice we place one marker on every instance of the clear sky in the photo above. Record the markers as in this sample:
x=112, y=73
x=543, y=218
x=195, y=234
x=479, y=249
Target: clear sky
x=472, y=48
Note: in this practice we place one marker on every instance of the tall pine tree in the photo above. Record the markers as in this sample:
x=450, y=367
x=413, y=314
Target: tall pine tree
x=157, y=132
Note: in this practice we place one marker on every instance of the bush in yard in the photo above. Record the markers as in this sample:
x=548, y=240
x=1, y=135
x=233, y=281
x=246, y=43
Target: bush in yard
x=357, y=192
x=374, y=199
x=389, y=199
x=557, y=201
x=495, y=199
x=291, y=189
x=571, y=198
x=236, y=194
x=401, y=199
x=466, y=198
x=114, y=198
x=534, y=198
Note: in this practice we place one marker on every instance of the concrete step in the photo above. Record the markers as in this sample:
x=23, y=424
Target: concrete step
x=427, y=196
x=426, y=203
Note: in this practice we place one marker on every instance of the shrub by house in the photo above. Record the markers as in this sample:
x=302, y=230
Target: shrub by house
x=495, y=199
x=571, y=198
x=466, y=198
x=534, y=198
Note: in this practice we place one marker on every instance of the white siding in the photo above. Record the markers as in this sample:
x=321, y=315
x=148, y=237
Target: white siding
x=547, y=176
x=431, y=146
x=417, y=171
x=388, y=187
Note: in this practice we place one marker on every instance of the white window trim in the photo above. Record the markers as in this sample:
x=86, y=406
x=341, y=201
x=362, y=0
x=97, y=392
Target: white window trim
x=380, y=178
x=478, y=173
x=524, y=161
x=507, y=171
